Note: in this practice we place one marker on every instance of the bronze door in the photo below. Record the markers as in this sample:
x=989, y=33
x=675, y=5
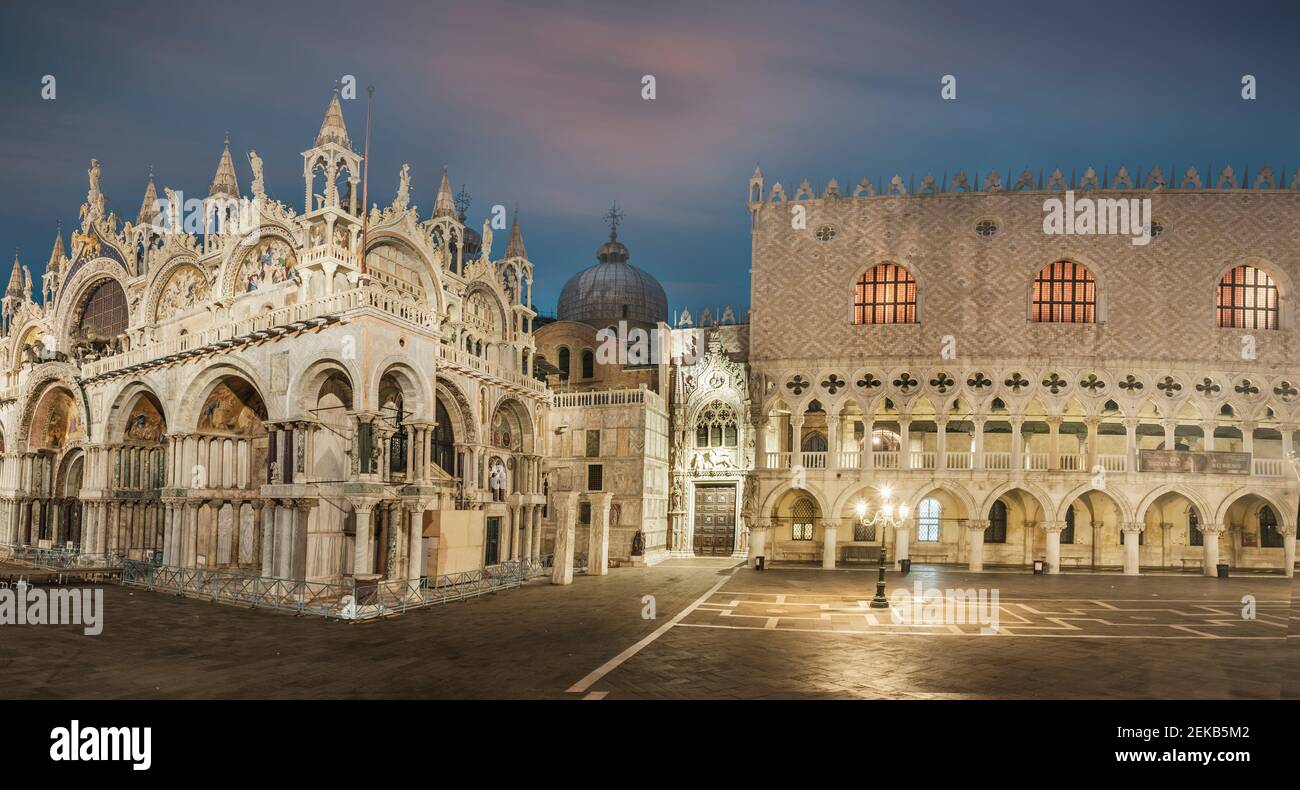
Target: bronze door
x=715, y=520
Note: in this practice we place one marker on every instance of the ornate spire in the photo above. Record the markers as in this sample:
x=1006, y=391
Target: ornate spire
x=224, y=182
x=332, y=129
x=58, y=253
x=444, y=205
x=15, y=289
x=149, y=206
x=515, y=246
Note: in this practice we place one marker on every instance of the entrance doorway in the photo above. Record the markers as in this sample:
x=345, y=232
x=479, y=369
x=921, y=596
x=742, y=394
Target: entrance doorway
x=492, y=541
x=715, y=520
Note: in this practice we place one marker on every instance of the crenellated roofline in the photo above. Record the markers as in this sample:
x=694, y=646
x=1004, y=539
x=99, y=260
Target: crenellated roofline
x=1144, y=179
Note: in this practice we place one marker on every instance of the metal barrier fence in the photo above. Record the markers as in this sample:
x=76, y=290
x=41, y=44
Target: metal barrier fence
x=72, y=558
x=347, y=601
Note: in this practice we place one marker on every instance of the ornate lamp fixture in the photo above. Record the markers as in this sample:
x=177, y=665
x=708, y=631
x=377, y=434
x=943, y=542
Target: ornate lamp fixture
x=888, y=516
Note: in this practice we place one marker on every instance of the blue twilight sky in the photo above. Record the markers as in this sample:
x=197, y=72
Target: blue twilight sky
x=539, y=104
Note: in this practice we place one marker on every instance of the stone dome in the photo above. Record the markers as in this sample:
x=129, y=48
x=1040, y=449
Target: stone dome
x=613, y=290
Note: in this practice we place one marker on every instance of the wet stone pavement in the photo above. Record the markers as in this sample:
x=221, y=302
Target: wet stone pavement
x=719, y=631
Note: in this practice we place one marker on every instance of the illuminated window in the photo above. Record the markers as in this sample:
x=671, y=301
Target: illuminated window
x=886, y=294
x=1248, y=299
x=802, y=522
x=927, y=520
x=1065, y=292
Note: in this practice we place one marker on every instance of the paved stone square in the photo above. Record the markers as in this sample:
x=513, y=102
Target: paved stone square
x=720, y=631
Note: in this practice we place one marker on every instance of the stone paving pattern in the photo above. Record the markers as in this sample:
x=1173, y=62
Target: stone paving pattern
x=538, y=641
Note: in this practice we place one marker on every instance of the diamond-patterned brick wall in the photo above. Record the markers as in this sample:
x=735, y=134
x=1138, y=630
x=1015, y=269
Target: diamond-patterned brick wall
x=1158, y=301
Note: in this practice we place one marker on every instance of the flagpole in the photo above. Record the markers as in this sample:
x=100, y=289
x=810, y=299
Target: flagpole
x=365, y=184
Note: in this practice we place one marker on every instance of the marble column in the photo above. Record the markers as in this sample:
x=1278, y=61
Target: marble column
x=529, y=512
x=1288, y=551
x=363, y=550
x=796, y=440
x=537, y=532
x=975, y=537
x=169, y=549
x=757, y=540
x=415, y=551
x=1210, y=538
x=268, y=538
x=564, y=538
x=598, y=541
x=1054, y=529
x=235, y=517
x=833, y=421
x=1017, y=443
x=254, y=558
x=1094, y=425
x=517, y=531
x=941, y=444
x=829, y=534
x=191, y=559
x=1132, y=539
x=1131, y=445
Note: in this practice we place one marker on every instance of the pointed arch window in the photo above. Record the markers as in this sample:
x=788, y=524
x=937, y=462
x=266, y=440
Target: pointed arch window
x=801, y=522
x=1067, y=534
x=996, y=531
x=885, y=294
x=1269, y=536
x=1248, y=299
x=1065, y=292
x=716, y=426
x=1194, y=535
x=927, y=520
x=814, y=442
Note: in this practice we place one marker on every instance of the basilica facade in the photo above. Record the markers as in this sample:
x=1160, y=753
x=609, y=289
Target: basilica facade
x=324, y=393
x=241, y=391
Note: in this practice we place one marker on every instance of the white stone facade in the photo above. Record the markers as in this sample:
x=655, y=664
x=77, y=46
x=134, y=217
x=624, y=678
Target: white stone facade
x=248, y=399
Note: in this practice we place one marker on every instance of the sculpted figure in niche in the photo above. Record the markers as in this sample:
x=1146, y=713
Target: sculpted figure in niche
x=497, y=480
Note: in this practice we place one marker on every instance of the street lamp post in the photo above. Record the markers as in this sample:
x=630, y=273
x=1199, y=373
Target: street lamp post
x=887, y=517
